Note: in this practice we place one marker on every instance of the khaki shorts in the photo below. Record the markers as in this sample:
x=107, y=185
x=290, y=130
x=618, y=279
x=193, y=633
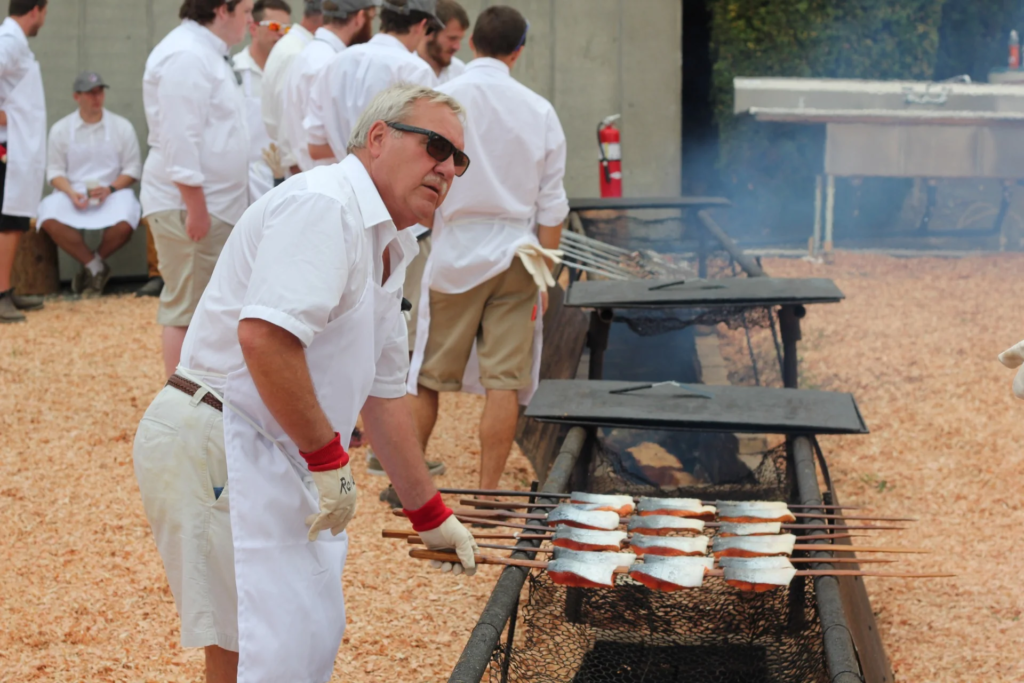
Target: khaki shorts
x=413, y=285
x=499, y=316
x=179, y=461
x=186, y=266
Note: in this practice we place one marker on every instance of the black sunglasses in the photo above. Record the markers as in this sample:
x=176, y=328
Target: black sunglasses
x=438, y=146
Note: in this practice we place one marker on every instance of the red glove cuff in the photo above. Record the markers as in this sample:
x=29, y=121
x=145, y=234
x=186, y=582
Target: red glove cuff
x=430, y=516
x=330, y=457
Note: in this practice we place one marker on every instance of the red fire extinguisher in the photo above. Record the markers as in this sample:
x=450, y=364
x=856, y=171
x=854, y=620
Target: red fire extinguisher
x=611, y=157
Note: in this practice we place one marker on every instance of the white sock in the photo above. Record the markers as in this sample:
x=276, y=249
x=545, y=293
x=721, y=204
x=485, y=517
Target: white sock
x=96, y=265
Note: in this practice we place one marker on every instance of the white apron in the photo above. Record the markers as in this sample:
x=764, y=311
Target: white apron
x=291, y=611
x=471, y=376
x=100, y=163
x=26, y=145
x=261, y=178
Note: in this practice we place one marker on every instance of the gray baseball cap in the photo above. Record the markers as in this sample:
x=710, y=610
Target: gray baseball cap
x=340, y=9
x=312, y=7
x=87, y=80
x=428, y=6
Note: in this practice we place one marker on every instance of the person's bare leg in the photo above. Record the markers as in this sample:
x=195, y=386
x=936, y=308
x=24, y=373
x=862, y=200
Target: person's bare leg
x=497, y=432
x=8, y=248
x=424, y=412
x=173, y=338
x=68, y=239
x=114, y=237
x=221, y=665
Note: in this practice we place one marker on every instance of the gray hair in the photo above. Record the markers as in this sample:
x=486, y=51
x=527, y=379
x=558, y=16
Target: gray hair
x=394, y=105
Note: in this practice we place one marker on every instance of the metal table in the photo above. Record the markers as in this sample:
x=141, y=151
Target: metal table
x=792, y=295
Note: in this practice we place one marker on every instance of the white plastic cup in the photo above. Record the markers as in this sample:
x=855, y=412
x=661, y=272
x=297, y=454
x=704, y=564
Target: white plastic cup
x=91, y=185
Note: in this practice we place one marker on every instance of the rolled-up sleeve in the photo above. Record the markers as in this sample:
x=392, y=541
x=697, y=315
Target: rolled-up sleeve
x=301, y=266
x=319, y=100
x=552, y=202
x=57, y=151
x=393, y=366
x=184, y=96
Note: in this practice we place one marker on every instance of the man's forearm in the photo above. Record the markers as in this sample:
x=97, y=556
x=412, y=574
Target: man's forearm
x=390, y=425
x=550, y=236
x=194, y=198
x=318, y=152
x=63, y=185
x=123, y=181
x=277, y=363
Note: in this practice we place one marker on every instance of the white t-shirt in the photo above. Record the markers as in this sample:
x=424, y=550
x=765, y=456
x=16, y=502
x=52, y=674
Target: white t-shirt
x=301, y=77
x=353, y=78
x=198, y=134
x=517, y=154
x=72, y=128
x=299, y=258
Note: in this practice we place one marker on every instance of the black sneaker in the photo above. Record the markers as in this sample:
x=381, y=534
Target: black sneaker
x=8, y=312
x=98, y=282
x=27, y=303
x=373, y=466
x=153, y=287
x=390, y=496
x=80, y=282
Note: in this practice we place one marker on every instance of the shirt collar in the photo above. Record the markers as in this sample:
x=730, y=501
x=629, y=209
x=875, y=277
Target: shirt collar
x=243, y=61
x=15, y=30
x=207, y=36
x=371, y=206
x=386, y=40
x=77, y=122
x=328, y=37
x=489, y=63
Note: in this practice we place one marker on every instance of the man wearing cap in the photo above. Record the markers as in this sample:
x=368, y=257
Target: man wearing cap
x=270, y=21
x=23, y=139
x=275, y=76
x=93, y=161
x=195, y=179
x=346, y=23
x=438, y=49
x=491, y=239
x=240, y=464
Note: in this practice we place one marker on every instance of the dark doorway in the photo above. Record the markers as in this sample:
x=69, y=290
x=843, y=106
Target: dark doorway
x=700, y=133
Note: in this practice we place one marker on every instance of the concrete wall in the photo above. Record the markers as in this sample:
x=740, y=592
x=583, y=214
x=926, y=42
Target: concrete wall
x=591, y=58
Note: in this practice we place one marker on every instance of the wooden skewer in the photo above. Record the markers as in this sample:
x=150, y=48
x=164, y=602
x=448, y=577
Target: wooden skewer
x=409, y=533
x=861, y=549
x=538, y=494
x=487, y=504
x=442, y=556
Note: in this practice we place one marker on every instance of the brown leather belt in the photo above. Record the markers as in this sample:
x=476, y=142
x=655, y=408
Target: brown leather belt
x=190, y=388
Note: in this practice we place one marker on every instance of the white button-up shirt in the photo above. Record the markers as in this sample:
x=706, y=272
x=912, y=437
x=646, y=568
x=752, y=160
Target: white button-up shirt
x=275, y=75
x=514, y=183
x=301, y=77
x=72, y=128
x=197, y=130
x=243, y=61
x=344, y=89
x=301, y=257
x=15, y=59
x=453, y=70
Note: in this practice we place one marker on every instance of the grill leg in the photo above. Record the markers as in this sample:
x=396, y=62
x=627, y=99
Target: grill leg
x=789, y=327
x=597, y=340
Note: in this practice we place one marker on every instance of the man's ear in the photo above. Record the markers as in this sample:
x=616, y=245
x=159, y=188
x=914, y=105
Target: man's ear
x=375, y=138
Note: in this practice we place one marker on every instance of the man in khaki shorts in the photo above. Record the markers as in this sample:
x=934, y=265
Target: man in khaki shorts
x=195, y=180
x=491, y=240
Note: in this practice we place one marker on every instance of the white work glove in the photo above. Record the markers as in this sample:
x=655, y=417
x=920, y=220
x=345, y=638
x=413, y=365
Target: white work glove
x=337, y=501
x=272, y=156
x=1013, y=357
x=533, y=258
x=452, y=535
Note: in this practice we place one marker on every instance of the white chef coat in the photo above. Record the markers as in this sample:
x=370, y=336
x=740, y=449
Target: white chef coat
x=275, y=75
x=197, y=125
x=243, y=61
x=345, y=87
x=72, y=129
x=261, y=177
x=301, y=77
x=292, y=262
x=518, y=150
x=453, y=70
x=15, y=59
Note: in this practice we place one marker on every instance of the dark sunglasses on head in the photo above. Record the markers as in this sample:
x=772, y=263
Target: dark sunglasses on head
x=438, y=147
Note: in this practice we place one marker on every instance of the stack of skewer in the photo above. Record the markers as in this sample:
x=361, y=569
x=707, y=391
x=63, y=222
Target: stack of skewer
x=670, y=544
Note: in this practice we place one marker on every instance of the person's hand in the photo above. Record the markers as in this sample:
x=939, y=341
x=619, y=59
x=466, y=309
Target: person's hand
x=100, y=193
x=197, y=225
x=338, y=497
x=272, y=157
x=80, y=201
x=452, y=534
x=543, y=302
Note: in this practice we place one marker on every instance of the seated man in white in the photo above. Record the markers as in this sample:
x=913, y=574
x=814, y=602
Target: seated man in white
x=92, y=161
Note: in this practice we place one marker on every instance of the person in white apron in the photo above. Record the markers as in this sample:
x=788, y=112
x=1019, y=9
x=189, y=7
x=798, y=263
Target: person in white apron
x=239, y=459
x=92, y=162
x=486, y=280
x=271, y=20
x=438, y=49
x=23, y=140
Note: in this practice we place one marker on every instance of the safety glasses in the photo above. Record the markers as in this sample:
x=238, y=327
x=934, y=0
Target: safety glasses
x=276, y=26
x=438, y=147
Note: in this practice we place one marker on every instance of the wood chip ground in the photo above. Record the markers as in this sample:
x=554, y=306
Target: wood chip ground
x=83, y=594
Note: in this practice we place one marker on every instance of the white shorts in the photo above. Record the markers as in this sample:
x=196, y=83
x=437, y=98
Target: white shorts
x=179, y=462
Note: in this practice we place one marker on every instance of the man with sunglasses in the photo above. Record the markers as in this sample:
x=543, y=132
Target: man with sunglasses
x=346, y=23
x=300, y=329
x=486, y=279
x=275, y=75
x=270, y=21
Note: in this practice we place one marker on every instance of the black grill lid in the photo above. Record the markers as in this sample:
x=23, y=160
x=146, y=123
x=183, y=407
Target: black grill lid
x=760, y=291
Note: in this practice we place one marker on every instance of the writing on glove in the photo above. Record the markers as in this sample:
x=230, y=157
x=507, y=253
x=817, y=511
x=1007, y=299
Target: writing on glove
x=440, y=530
x=336, y=488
